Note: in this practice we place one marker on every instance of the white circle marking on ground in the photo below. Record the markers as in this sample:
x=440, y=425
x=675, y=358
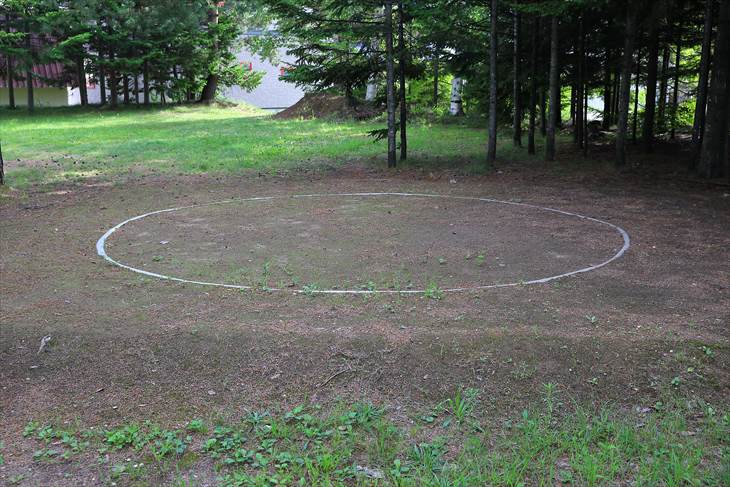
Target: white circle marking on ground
x=101, y=244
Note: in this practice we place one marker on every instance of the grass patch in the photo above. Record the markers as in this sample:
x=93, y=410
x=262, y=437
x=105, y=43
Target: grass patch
x=687, y=443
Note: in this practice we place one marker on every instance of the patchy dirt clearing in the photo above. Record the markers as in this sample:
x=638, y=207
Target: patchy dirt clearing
x=125, y=347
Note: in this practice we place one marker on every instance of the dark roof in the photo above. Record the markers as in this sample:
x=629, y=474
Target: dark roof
x=50, y=75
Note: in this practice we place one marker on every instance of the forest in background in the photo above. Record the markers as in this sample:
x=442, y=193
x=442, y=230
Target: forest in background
x=657, y=66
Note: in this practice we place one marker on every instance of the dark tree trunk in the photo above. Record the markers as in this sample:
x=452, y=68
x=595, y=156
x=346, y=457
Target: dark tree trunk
x=580, y=85
x=585, y=122
x=652, y=61
x=615, y=98
x=699, y=120
x=573, y=92
x=492, y=135
x=402, y=75
x=211, y=84
x=136, y=88
x=113, y=82
x=662, y=108
x=675, y=93
x=390, y=81
x=10, y=77
x=554, y=91
x=125, y=89
x=29, y=71
x=435, y=99
x=533, y=88
x=607, y=87
x=625, y=90
x=635, y=122
x=81, y=79
x=11, y=83
x=146, y=83
x=102, y=87
x=517, y=89
x=717, y=121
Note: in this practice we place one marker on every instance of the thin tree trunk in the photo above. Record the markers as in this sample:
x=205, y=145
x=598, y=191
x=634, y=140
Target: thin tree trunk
x=146, y=82
x=652, y=61
x=435, y=98
x=402, y=74
x=625, y=91
x=125, y=89
x=517, y=90
x=699, y=120
x=675, y=94
x=9, y=71
x=580, y=85
x=607, y=102
x=29, y=70
x=113, y=82
x=662, y=109
x=533, y=89
x=717, y=121
x=11, y=83
x=616, y=91
x=102, y=86
x=554, y=91
x=81, y=79
x=492, y=135
x=635, y=123
x=585, y=121
x=390, y=81
x=136, y=88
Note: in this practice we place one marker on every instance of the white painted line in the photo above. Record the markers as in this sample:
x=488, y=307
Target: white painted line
x=101, y=244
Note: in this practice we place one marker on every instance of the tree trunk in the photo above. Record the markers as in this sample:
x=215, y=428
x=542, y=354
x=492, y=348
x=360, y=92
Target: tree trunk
x=146, y=82
x=435, y=98
x=717, y=121
x=2, y=167
x=585, y=122
x=456, y=108
x=102, y=86
x=580, y=85
x=113, y=82
x=554, y=91
x=517, y=91
x=615, y=98
x=390, y=81
x=492, y=135
x=625, y=90
x=699, y=120
x=125, y=89
x=635, y=123
x=675, y=94
x=136, y=88
x=402, y=74
x=9, y=71
x=662, y=109
x=11, y=83
x=211, y=84
x=81, y=79
x=607, y=102
x=29, y=70
x=533, y=88
x=652, y=61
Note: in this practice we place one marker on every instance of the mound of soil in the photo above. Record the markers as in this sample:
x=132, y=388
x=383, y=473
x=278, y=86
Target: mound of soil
x=327, y=105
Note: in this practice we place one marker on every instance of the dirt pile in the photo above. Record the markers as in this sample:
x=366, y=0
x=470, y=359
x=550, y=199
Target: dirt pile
x=327, y=105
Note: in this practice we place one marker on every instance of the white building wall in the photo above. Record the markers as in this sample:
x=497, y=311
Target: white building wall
x=272, y=93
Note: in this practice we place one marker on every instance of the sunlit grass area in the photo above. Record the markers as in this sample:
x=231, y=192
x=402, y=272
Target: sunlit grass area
x=71, y=143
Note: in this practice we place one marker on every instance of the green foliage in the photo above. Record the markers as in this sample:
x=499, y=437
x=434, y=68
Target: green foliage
x=684, y=443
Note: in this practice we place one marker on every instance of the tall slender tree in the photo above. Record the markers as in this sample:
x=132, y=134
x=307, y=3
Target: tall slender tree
x=625, y=87
x=550, y=147
x=492, y=135
x=516, y=83
x=390, y=80
x=698, y=125
x=533, y=87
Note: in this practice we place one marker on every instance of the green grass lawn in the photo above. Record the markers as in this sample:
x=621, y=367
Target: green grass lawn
x=70, y=143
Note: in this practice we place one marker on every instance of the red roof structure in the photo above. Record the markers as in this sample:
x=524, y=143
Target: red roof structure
x=44, y=76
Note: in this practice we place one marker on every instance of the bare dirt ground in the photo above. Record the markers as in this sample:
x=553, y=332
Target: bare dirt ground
x=125, y=347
